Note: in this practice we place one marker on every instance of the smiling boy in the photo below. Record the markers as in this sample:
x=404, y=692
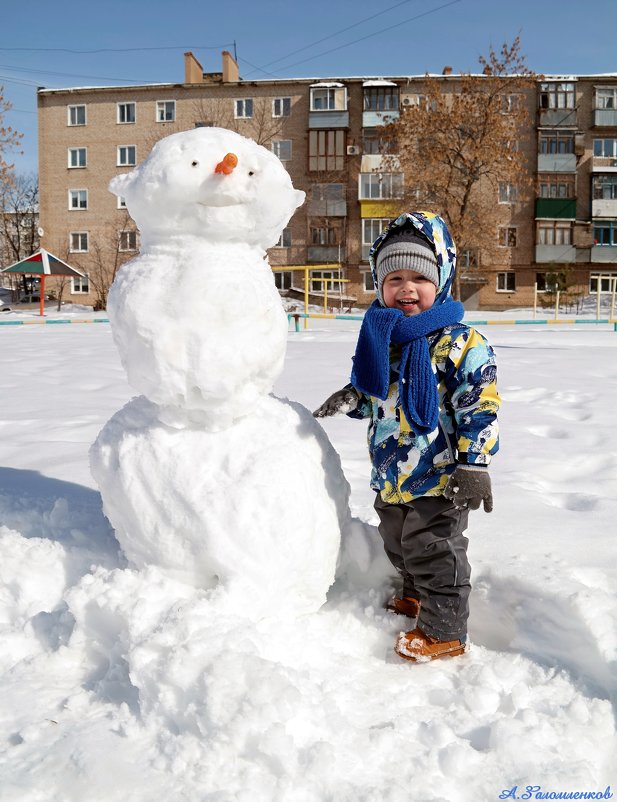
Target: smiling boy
x=427, y=383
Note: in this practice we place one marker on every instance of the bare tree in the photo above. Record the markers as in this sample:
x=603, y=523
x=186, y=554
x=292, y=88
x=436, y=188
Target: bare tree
x=20, y=206
x=9, y=140
x=459, y=147
x=261, y=126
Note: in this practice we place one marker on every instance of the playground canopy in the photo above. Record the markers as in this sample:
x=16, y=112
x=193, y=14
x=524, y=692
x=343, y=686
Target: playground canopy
x=42, y=263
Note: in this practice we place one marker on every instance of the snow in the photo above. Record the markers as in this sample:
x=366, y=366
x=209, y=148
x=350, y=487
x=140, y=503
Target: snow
x=125, y=683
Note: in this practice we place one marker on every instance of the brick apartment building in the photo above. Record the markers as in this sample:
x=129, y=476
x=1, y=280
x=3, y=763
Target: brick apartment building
x=326, y=132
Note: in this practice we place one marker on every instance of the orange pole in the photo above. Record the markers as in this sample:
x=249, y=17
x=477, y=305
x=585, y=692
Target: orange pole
x=42, y=296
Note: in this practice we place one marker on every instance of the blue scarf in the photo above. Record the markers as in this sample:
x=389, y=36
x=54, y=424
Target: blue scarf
x=383, y=326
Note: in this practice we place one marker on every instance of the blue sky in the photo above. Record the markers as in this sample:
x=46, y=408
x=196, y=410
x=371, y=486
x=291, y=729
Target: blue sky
x=143, y=41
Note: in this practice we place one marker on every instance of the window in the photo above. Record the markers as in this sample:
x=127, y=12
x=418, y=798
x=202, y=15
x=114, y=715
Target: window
x=120, y=202
x=367, y=281
x=328, y=192
x=165, y=111
x=283, y=279
x=126, y=113
x=381, y=98
x=80, y=285
x=281, y=107
x=380, y=185
x=282, y=149
x=605, y=233
x=328, y=98
x=506, y=282
x=77, y=115
x=375, y=142
x=244, y=108
x=327, y=150
x=371, y=229
x=507, y=236
x=326, y=232
x=77, y=157
x=604, y=187
x=78, y=198
x=126, y=155
x=284, y=239
x=605, y=281
x=548, y=282
x=555, y=186
x=554, y=233
x=78, y=241
x=556, y=142
x=605, y=148
x=510, y=103
x=606, y=98
x=330, y=282
x=467, y=259
x=127, y=241
x=557, y=95
x=507, y=193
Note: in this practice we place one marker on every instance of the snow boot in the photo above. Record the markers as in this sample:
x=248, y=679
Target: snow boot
x=404, y=605
x=421, y=648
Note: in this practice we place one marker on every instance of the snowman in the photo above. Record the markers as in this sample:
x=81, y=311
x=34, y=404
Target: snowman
x=206, y=475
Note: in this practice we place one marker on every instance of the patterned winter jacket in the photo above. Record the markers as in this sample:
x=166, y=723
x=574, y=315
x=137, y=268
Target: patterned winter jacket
x=407, y=465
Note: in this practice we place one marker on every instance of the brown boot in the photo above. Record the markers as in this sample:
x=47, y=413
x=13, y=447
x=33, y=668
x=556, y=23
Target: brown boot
x=421, y=648
x=404, y=605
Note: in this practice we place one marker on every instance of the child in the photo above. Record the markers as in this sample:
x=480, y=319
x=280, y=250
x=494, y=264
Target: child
x=428, y=384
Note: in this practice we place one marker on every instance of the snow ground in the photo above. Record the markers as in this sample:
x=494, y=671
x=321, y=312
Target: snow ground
x=123, y=685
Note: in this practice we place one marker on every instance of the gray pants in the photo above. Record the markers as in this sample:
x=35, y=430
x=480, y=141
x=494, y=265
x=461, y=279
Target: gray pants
x=424, y=541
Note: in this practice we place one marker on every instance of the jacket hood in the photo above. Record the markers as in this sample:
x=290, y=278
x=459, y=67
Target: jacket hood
x=436, y=232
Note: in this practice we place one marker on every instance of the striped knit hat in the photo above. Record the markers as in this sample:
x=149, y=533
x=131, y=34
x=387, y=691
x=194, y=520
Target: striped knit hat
x=406, y=250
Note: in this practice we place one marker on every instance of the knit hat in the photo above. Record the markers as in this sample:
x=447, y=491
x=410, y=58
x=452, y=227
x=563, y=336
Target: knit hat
x=406, y=250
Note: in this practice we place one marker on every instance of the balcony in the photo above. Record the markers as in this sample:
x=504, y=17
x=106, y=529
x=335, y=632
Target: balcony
x=605, y=117
x=556, y=118
x=329, y=119
x=604, y=254
x=373, y=119
x=327, y=208
x=555, y=253
x=325, y=254
x=604, y=208
x=556, y=208
x=556, y=163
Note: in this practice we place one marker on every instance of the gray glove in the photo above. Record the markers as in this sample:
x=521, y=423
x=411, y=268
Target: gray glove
x=468, y=487
x=341, y=401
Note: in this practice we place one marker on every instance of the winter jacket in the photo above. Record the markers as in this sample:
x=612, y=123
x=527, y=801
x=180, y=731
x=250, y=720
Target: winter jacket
x=407, y=465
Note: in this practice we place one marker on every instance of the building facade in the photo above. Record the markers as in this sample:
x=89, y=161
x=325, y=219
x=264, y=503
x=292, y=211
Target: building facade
x=327, y=133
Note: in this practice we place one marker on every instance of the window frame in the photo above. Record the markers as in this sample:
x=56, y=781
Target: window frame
x=237, y=108
x=160, y=105
x=508, y=236
x=557, y=228
x=327, y=149
x=78, y=151
x=80, y=279
x=286, y=278
x=285, y=102
x=603, y=141
x=608, y=91
x=363, y=177
x=73, y=193
x=277, y=145
x=128, y=233
x=505, y=274
x=332, y=286
x=507, y=194
x=365, y=245
x=336, y=98
x=605, y=225
x=372, y=97
x=123, y=104
x=79, y=249
x=285, y=235
x=555, y=91
x=75, y=106
x=127, y=163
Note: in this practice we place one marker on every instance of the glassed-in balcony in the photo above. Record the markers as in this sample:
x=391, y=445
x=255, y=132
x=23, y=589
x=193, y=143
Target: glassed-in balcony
x=604, y=254
x=605, y=117
x=556, y=163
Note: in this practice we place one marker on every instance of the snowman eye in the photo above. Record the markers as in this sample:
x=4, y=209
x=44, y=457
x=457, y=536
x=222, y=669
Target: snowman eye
x=251, y=172
x=194, y=164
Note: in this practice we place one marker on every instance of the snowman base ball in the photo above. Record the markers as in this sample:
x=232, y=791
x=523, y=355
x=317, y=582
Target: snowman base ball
x=255, y=511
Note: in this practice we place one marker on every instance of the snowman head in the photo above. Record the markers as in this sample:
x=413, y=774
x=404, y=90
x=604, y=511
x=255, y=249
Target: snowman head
x=212, y=183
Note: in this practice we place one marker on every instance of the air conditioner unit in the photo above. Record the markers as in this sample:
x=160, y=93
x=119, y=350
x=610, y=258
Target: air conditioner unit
x=407, y=101
x=353, y=150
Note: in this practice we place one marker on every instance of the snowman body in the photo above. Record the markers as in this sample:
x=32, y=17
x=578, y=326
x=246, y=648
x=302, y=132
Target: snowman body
x=206, y=475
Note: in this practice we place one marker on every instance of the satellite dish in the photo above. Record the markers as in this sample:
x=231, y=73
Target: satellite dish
x=40, y=231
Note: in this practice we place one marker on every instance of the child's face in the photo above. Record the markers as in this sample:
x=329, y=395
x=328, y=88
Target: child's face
x=408, y=291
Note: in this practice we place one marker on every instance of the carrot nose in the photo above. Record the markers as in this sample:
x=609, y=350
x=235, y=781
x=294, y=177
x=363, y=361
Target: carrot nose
x=228, y=164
